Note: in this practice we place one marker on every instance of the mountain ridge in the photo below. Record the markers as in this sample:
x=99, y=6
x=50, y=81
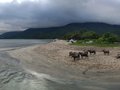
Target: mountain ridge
x=58, y=32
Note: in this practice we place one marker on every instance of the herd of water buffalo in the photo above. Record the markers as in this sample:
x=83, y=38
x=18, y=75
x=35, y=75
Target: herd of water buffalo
x=86, y=53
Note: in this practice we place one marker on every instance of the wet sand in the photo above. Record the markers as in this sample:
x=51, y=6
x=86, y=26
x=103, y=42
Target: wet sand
x=52, y=59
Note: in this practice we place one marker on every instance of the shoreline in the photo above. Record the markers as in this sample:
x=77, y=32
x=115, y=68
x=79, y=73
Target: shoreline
x=53, y=59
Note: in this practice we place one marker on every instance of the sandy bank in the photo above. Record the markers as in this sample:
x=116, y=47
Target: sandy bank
x=53, y=59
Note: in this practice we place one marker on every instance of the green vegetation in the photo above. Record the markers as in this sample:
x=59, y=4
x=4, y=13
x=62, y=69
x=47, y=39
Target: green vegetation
x=90, y=38
x=81, y=43
x=108, y=38
x=82, y=35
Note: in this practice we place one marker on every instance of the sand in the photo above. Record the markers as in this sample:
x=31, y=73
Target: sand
x=53, y=59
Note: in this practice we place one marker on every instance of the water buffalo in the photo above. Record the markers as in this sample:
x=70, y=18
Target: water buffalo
x=74, y=55
x=71, y=54
x=83, y=54
x=118, y=56
x=106, y=52
x=92, y=52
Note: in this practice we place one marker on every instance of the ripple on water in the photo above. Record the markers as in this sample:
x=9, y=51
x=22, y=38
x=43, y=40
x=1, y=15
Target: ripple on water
x=15, y=79
x=19, y=79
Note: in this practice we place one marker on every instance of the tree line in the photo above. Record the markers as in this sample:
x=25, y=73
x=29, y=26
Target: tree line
x=107, y=37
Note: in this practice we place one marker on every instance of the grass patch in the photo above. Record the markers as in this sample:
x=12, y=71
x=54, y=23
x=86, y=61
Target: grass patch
x=95, y=43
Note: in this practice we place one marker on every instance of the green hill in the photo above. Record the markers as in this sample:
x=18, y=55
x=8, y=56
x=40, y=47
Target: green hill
x=58, y=32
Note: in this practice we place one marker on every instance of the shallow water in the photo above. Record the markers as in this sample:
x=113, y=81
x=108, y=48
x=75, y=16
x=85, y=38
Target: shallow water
x=8, y=43
x=14, y=77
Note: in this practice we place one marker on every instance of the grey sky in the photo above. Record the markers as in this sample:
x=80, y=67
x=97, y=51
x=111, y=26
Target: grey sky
x=22, y=14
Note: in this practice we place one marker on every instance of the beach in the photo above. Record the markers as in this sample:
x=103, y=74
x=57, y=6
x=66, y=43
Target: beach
x=53, y=59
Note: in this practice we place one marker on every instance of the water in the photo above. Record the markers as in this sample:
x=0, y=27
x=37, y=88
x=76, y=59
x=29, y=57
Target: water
x=14, y=77
x=8, y=43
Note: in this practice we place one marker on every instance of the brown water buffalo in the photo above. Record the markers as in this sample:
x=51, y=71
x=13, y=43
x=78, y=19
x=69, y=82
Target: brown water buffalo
x=106, y=52
x=92, y=52
x=71, y=54
x=74, y=55
x=83, y=54
x=118, y=56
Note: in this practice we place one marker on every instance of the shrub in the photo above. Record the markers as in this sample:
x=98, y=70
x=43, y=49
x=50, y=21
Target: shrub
x=108, y=38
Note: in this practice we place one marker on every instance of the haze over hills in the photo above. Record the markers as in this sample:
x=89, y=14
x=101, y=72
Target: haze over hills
x=58, y=32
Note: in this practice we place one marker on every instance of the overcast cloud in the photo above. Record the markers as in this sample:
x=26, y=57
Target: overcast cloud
x=22, y=14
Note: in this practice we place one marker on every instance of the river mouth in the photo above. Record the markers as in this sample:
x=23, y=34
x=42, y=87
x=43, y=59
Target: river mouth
x=13, y=76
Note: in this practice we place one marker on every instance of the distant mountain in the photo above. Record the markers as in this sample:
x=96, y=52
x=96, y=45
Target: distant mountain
x=58, y=32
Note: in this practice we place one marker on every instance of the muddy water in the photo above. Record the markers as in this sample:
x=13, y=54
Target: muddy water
x=14, y=77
